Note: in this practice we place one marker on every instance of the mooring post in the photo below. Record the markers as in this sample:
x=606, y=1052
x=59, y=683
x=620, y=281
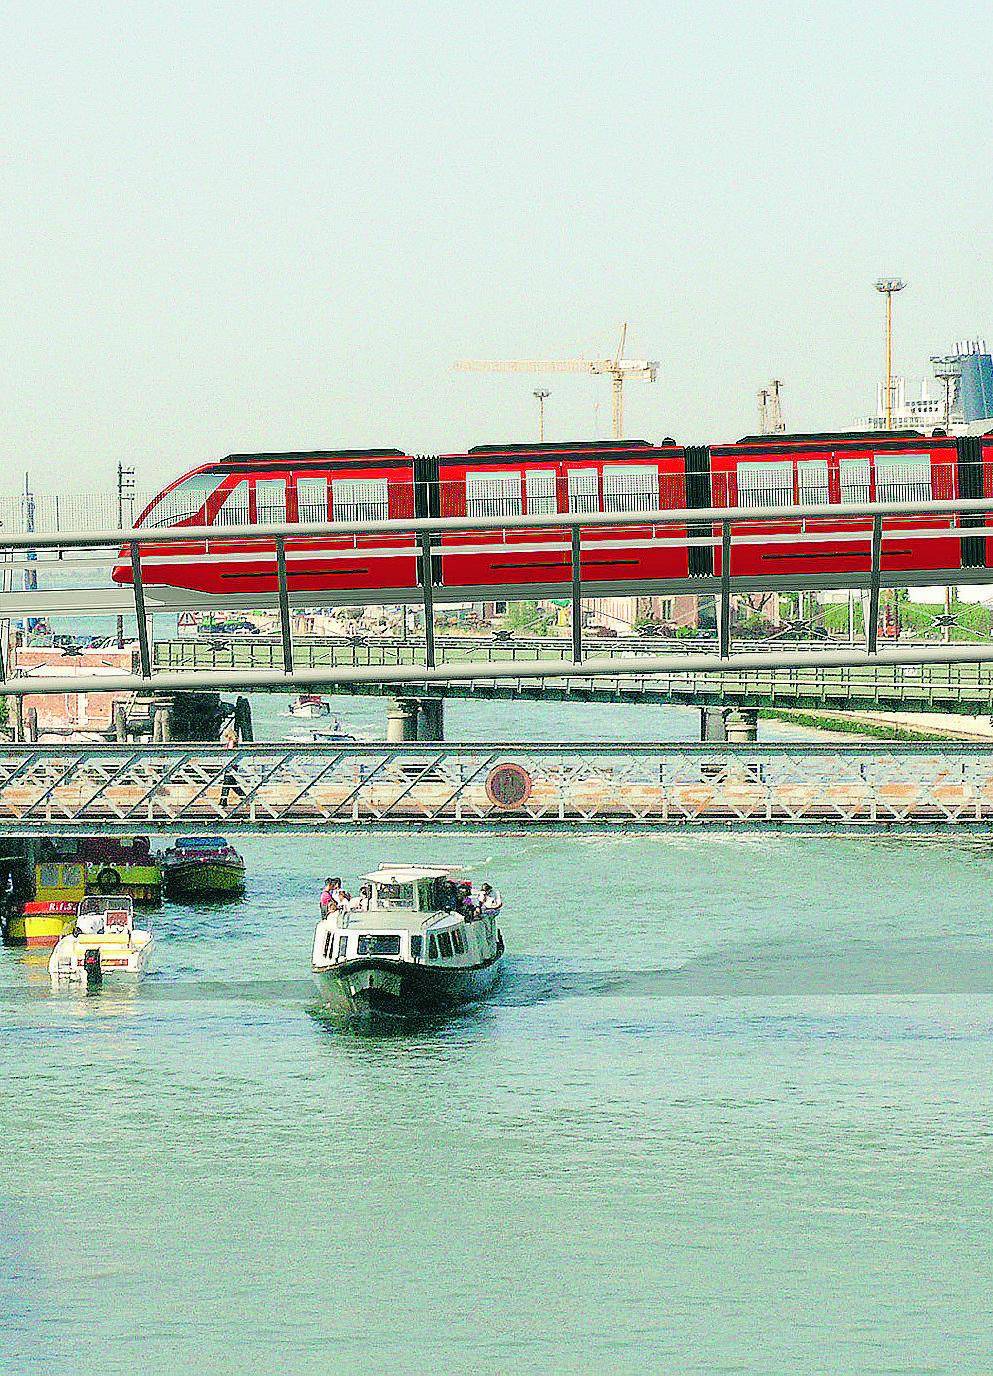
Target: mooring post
x=427, y=590
x=139, y=611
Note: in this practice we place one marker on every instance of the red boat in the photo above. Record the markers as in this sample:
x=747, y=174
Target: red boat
x=512, y=480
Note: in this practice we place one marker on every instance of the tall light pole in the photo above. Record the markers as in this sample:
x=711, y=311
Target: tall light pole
x=889, y=286
x=541, y=396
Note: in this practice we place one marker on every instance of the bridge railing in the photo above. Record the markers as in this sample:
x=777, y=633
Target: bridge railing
x=860, y=524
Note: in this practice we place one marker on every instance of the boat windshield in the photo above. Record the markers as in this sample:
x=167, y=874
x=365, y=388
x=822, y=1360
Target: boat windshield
x=395, y=895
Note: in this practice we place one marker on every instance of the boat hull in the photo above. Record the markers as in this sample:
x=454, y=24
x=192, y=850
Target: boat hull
x=119, y=962
x=398, y=990
x=204, y=879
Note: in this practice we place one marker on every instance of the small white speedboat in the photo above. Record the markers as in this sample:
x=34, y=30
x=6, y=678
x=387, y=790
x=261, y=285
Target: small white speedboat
x=104, y=942
x=310, y=705
x=416, y=943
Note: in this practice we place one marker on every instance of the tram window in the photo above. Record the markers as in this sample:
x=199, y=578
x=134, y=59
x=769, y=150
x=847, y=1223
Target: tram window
x=584, y=490
x=270, y=501
x=765, y=484
x=493, y=494
x=445, y=944
x=360, y=499
x=185, y=501
x=540, y=483
x=903, y=478
x=312, y=499
x=234, y=509
x=855, y=485
x=630, y=489
x=812, y=480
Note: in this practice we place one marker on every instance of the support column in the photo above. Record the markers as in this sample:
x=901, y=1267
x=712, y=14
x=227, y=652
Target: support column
x=742, y=726
x=712, y=730
x=401, y=721
x=431, y=719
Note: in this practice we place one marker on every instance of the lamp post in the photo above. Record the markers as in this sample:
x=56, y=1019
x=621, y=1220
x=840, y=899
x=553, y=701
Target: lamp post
x=541, y=395
x=889, y=286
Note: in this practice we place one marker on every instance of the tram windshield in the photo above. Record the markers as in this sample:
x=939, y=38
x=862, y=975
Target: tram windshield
x=184, y=502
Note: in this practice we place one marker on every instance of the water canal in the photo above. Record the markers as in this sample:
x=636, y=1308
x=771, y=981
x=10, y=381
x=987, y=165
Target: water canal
x=730, y=1111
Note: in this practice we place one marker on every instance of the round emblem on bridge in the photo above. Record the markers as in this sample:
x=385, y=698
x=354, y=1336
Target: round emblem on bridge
x=508, y=785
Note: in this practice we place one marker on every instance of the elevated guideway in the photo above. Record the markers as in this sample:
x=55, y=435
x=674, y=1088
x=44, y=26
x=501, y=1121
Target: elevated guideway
x=872, y=534
x=964, y=687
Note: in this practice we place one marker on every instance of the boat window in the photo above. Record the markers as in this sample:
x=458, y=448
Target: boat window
x=812, y=481
x=395, y=895
x=432, y=948
x=584, y=490
x=342, y=947
x=312, y=499
x=327, y=945
x=903, y=478
x=270, y=501
x=458, y=941
x=49, y=876
x=627, y=488
x=360, y=499
x=234, y=508
x=541, y=491
x=765, y=484
x=415, y=947
x=854, y=480
x=493, y=494
x=445, y=944
x=377, y=945
x=186, y=500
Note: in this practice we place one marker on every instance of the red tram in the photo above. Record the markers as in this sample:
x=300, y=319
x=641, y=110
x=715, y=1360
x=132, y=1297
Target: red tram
x=630, y=476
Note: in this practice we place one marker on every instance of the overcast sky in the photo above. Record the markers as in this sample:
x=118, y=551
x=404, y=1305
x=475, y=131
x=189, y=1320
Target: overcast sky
x=247, y=226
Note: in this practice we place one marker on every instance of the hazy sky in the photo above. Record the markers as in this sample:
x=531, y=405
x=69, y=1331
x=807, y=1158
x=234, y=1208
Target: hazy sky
x=246, y=226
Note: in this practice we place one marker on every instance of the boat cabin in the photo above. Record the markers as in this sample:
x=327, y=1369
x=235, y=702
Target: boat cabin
x=415, y=913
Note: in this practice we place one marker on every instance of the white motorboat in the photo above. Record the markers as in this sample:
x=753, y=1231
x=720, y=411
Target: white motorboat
x=103, y=942
x=416, y=943
x=310, y=705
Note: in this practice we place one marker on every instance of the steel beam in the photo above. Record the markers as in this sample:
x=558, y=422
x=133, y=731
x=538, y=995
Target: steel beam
x=285, y=629
x=139, y=611
x=577, y=593
x=724, y=620
x=427, y=590
x=872, y=627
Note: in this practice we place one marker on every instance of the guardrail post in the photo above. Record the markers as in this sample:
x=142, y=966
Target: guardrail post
x=871, y=628
x=724, y=620
x=577, y=601
x=427, y=589
x=285, y=629
x=139, y=611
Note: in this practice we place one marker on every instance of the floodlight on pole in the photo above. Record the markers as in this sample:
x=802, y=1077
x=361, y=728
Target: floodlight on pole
x=889, y=286
x=542, y=395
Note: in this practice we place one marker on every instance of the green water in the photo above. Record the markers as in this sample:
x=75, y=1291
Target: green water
x=730, y=1111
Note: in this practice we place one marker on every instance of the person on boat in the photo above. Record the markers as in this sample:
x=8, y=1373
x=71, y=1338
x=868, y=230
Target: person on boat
x=362, y=903
x=326, y=898
x=490, y=901
x=339, y=898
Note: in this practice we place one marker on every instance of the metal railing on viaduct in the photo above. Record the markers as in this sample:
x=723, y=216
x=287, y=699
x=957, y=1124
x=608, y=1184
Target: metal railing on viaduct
x=867, y=531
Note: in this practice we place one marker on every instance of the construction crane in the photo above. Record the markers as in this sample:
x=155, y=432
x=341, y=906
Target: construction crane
x=619, y=369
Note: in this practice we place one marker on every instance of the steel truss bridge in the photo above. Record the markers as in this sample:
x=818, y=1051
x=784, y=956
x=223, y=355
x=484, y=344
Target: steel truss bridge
x=55, y=560
x=47, y=790
x=961, y=687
